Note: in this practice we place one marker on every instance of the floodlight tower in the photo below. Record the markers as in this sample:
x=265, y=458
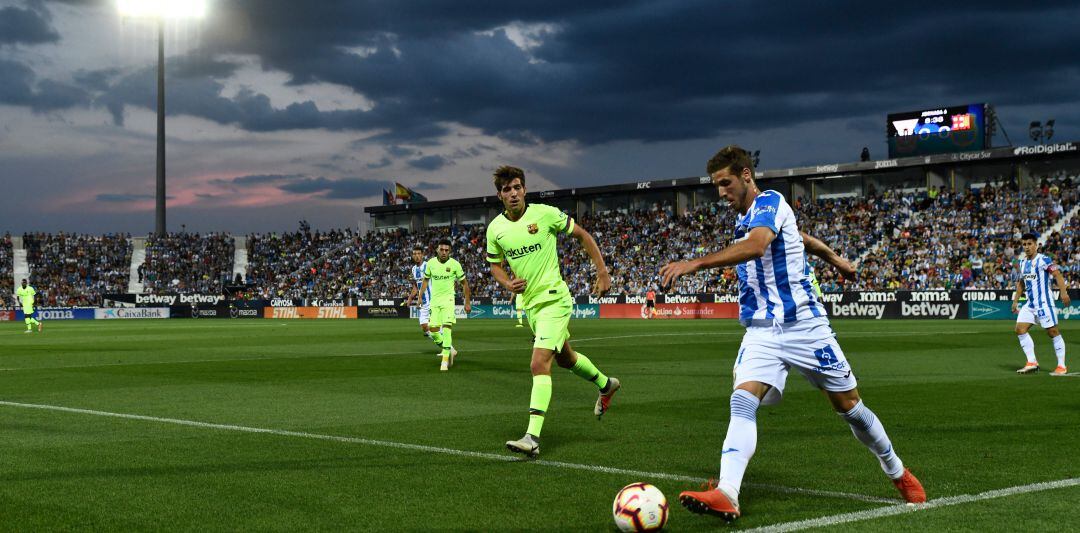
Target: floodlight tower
x=158, y=11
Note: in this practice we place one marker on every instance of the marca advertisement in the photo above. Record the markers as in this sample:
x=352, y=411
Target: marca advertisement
x=214, y=311
x=309, y=312
x=128, y=312
x=60, y=313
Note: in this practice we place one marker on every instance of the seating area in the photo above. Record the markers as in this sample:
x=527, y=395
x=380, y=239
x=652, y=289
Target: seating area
x=898, y=240
x=187, y=262
x=73, y=270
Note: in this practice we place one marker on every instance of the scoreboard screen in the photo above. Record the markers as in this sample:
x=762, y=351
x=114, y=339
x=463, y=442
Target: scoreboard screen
x=937, y=131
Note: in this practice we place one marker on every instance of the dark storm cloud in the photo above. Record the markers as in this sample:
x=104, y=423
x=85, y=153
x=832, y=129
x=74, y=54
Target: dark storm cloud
x=262, y=179
x=607, y=71
x=18, y=87
x=26, y=26
x=382, y=163
x=430, y=162
x=338, y=189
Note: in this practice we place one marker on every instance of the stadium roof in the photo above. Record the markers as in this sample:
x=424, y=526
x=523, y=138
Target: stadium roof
x=1003, y=154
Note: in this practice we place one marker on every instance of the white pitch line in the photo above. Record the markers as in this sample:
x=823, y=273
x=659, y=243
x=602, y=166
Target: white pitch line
x=435, y=449
x=858, y=516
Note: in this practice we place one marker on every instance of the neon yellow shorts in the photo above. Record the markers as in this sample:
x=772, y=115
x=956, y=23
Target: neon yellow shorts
x=442, y=315
x=550, y=321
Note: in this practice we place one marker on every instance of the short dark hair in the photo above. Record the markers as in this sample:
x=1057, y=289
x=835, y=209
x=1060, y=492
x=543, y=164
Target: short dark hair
x=418, y=247
x=505, y=174
x=733, y=157
x=1029, y=237
x=446, y=242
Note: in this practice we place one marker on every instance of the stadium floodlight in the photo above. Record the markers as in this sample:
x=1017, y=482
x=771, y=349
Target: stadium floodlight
x=1048, y=130
x=1035, y=130
x=160, y=11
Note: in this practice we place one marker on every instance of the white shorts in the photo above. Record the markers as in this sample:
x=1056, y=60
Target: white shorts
x=809, y=345
x=1047, y=318
x=423, y=313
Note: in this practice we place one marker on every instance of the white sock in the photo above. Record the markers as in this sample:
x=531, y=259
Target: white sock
x=1059, y=349
x=741, y=440
x=1028, y=346
x=868, y=429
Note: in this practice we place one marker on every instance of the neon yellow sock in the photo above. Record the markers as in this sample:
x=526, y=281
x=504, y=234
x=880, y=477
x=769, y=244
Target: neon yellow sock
x=538, y=403
x=447, y=340
x=27, y=320
x=436, y=336
x=584, y=368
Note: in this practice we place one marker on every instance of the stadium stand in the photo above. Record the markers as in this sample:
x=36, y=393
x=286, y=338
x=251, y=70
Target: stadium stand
x=7, y=280
x=899, y=239
x=72, y=270
x=188, y=262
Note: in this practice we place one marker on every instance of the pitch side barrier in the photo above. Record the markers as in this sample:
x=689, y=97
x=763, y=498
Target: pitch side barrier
x=874, y=305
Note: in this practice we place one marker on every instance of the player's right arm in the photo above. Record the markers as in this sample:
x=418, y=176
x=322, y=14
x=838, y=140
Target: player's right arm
x=414, y=292
x=1017, y=295
x=603, y=278
x=818, y=248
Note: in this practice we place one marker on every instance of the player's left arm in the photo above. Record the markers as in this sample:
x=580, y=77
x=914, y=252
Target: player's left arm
x=466, y=292
x=586, y=240
x=818, y=248
x=424, y=285
x=1062, y=288
x=752, y=247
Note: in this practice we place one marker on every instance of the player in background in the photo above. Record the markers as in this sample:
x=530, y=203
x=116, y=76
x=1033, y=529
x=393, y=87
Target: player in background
x=26, y=295
x=786, y=326
x=525, y=237
x=650, y=303
x=423, y=299
x=1035, y=270
x=441, y=273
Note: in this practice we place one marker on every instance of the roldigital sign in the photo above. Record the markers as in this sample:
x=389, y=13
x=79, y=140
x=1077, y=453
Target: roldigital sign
x=937, y=131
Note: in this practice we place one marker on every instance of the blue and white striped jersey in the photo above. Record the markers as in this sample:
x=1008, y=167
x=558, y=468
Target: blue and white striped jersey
x=775, y=287
x=418, y=280
x=1036, y=274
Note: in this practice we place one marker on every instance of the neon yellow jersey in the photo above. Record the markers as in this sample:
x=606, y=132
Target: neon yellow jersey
x=26, y=296
x=529, y=245
x=442, y=277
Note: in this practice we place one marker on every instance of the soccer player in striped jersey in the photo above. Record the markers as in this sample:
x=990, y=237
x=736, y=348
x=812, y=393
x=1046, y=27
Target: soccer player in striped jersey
x=786, y=326
x=423, y=300
x=1035, y=270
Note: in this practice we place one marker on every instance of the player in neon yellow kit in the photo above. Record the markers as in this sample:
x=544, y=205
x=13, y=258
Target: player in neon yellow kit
x=26, y=295
x=441, y=273
x=525, y=237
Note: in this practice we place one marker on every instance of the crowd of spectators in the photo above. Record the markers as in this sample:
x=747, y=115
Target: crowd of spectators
x=187, y=262
x=965, y=240
x=72, y=270
x=7, y=280
x=913, y=240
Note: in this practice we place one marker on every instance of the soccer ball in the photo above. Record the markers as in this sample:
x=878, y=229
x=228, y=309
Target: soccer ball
x=640, y=507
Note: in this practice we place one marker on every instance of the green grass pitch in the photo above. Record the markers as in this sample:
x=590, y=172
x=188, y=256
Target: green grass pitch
x=947, y=393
